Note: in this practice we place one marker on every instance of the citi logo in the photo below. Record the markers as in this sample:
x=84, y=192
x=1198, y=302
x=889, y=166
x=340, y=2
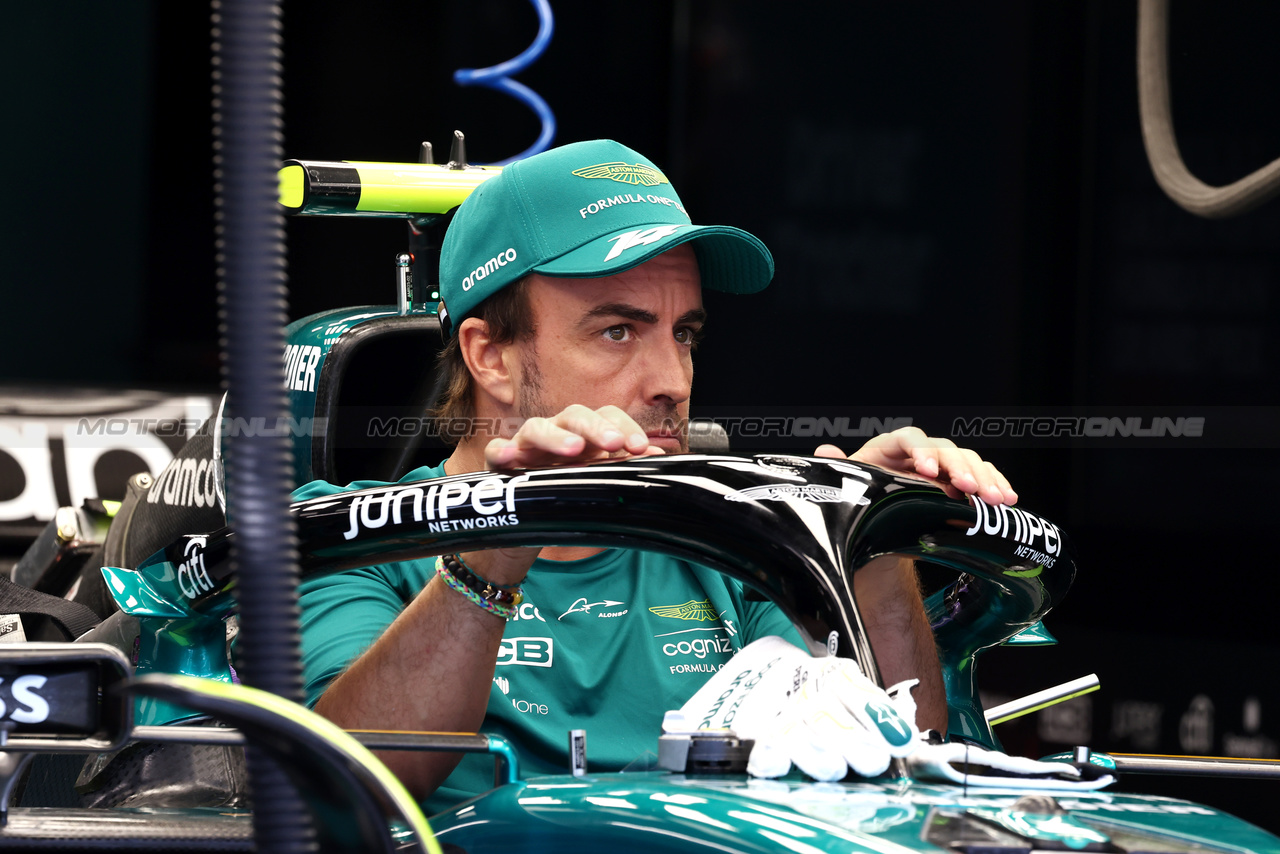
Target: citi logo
x=193, y=578
x=502, y=259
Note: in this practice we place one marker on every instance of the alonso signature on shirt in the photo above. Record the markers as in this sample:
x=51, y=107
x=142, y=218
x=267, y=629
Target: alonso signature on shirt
x=583, y=606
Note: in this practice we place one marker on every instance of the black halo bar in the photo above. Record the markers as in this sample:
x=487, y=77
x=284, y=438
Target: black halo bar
x=793, y=528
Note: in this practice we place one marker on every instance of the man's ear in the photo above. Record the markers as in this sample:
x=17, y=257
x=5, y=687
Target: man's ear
x=487, y=361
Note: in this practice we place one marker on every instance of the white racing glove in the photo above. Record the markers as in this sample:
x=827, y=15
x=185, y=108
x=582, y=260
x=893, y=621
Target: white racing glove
x=822, y=714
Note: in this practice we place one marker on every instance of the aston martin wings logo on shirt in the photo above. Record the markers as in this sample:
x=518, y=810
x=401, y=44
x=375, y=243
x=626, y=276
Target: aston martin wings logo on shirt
x=691, y=610
x=624, y=173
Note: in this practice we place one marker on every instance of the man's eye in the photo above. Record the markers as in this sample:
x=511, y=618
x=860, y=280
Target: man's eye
x=616, y=333
x=687, y=335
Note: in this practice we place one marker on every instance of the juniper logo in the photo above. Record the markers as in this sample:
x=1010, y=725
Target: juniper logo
x=1014, y=523
x=624, y=173
x=486, y=498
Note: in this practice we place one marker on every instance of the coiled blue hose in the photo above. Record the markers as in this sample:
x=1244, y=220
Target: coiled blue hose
x=498, y=77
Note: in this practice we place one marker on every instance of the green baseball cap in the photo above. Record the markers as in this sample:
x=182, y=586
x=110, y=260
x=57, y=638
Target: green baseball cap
x=584, y=210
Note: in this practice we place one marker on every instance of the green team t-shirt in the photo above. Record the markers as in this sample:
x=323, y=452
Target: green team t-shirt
x=605, y=644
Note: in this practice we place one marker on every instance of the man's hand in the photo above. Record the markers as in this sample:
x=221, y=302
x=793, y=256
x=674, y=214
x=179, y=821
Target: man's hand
x=960, y=472
x=575, y=435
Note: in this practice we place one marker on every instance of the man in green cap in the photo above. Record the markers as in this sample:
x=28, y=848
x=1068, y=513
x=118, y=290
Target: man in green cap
x=571, y=300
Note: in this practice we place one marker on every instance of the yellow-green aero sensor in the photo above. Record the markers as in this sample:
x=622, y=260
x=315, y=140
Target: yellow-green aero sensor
x=360, y=188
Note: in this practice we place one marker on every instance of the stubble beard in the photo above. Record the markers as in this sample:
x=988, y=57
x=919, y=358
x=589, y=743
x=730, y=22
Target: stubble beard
x=530, y=403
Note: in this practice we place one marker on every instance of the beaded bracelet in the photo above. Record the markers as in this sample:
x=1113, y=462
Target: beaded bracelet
x=459, y=568
x=501, y=601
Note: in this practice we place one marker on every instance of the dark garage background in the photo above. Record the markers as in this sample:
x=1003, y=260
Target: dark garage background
x=961, y=214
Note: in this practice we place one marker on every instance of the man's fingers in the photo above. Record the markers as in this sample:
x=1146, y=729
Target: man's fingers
x=607, y=428
x=544, y=434
x=576, y=434
x=972, y=475
x=501, y=453
x=634, y=439
x=955, y=466
x=1010, y=496
x=958, y=471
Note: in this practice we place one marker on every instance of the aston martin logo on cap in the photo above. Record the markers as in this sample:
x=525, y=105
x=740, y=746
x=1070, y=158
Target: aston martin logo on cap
x=624, y=173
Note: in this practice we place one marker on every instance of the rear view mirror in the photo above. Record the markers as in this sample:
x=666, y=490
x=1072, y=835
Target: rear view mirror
x=63, y=697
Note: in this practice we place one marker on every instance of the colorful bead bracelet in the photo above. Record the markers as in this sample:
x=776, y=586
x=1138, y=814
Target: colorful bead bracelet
x=501, y=600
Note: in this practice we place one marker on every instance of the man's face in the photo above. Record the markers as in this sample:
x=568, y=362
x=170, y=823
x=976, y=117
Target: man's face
x=625, y=340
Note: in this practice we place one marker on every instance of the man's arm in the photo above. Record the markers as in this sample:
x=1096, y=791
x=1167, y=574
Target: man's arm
x=888, y=594
x=432, y=669
x=888, y=588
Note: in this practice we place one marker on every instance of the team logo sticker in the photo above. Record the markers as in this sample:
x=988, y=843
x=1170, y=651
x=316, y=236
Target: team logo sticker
x=803, y=491
x=710, y=649
x=530, y=652
x=582, y=606
x=691, y=610
x=624, y=173
x=852, y=491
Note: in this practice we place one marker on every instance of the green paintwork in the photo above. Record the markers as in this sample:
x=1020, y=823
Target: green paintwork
x=888, y=722
x=321, y=330
x=171, y=638
x=958, y=651
x=195, y=646
x=136, y=595
x=1064, y=829
x=1025, y=597
x=499, y=746
x=650, y=811
x=1033, y=635
x=155, y=590
x=1102, y=760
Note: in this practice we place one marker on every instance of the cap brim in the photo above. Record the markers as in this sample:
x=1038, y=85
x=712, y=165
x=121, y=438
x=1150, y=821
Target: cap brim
x=729, y=259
